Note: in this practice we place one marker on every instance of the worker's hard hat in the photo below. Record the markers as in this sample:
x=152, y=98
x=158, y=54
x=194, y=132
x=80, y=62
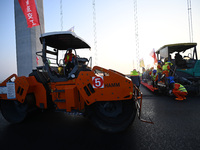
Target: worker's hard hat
x=69, y=49
x=172, y=81
x=154, y=71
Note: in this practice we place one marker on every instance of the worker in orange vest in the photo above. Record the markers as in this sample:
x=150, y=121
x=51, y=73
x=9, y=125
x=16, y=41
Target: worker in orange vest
x=69, y=60
x=159, y=70
x=69, y=56
x=179, y=91
x=150, y=71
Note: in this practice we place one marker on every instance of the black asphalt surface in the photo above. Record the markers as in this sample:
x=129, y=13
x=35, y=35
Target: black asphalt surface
x=176, y=127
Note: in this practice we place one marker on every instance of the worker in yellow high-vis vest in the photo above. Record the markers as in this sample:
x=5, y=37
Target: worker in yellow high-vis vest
x=166, y=68
x=154, y=78
x=135, y=78
x=179, y=91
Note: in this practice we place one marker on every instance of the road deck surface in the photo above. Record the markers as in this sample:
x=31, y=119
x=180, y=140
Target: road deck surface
x=176, y=127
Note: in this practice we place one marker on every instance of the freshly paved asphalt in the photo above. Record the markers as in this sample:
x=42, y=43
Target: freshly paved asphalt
x=176, y=127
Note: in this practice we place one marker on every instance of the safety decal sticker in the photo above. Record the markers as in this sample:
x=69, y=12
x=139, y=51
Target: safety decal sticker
x=98, y=82
x=10, y=90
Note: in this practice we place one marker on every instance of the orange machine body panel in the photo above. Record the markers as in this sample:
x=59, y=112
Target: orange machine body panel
x=66, y=96
x=73, y=94
x=111, y=86
x=23, y=86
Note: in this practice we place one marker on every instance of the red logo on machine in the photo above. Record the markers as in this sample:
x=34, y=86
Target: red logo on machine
x=98, y=82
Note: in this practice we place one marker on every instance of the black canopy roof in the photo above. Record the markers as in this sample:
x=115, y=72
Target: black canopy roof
x=63, y=40
x=179, y=47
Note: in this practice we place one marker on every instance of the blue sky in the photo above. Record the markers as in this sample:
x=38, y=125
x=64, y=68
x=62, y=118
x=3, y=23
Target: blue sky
x=159, y=23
